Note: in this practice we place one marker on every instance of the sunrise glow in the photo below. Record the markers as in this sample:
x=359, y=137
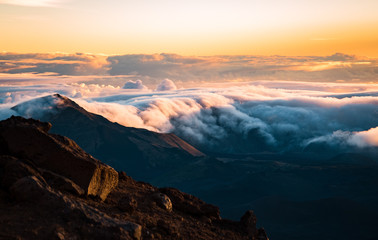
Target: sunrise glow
x=191, y=28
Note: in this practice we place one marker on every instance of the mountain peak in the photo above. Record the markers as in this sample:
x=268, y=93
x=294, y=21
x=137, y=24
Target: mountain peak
x=63, y=101
x=41, y=108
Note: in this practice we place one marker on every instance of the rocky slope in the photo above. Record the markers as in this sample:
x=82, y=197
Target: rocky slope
x=52, y=189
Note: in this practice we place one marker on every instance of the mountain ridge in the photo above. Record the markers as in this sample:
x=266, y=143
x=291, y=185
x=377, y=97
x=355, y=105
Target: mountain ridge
x=142, y=149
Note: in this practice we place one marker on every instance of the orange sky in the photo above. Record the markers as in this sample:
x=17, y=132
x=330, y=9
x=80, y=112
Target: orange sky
x=207, y=27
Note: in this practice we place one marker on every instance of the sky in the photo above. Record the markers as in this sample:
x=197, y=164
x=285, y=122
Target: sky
x=191, y=28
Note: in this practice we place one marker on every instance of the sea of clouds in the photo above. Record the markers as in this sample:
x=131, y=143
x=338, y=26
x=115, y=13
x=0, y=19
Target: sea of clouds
x=227, y=117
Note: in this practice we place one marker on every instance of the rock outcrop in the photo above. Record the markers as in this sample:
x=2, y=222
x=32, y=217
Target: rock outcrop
x=31, y=189
x=28, y=138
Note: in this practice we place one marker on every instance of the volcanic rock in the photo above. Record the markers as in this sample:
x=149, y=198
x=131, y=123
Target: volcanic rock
x=261, y=234
x=28, y=138
x=30, y=189
x=163, y=201
x=190, y=204
x=248, y=221
x=61, y=183
x=15, y=169
x=127, y=204
x=36, y=200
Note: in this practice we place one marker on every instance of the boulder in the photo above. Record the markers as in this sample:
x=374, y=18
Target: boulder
x=190, y=204
x=29, y=138
x=163, y=201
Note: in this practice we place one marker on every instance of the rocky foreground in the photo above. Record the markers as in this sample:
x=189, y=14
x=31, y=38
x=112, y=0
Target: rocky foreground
x=52, y=189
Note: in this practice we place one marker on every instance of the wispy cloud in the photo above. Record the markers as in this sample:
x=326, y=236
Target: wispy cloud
x=322, y=39
x=184, y=70
x=33, y=3
x=58, y=63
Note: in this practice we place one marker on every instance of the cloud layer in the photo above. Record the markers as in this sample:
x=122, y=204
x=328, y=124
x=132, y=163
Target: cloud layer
x=54, y=63
x=250, y=119
x=32, y=3
x=337, y=67
x=233, y=119
x=190, y=71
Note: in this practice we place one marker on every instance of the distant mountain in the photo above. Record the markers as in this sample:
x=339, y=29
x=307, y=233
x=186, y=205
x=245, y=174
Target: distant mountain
x=142, y=153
